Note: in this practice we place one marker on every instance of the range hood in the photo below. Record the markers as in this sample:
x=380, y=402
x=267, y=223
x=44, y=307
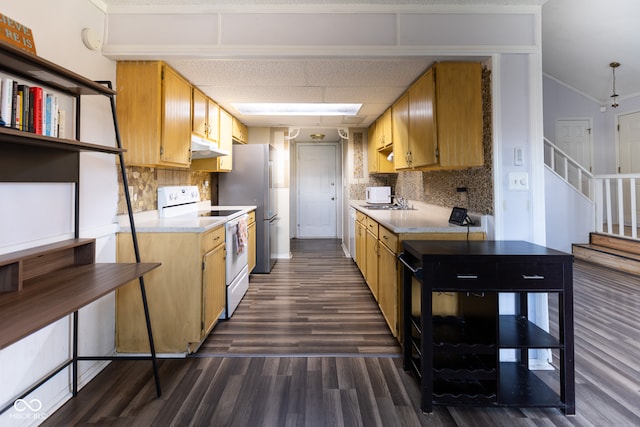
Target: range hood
x=203, y=149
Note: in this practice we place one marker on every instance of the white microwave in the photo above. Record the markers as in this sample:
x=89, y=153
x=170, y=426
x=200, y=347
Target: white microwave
x=378, y=195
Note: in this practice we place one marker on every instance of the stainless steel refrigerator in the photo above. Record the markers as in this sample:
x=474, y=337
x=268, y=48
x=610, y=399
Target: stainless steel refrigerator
x=251, y=182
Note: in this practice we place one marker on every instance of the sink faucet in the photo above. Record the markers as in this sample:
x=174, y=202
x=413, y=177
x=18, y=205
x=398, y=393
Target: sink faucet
x=401, y=201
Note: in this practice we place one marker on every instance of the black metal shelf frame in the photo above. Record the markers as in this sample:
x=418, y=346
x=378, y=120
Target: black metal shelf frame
x=28, y=157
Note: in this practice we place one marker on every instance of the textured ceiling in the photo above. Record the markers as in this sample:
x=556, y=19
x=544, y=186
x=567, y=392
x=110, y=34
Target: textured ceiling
x=374, y=82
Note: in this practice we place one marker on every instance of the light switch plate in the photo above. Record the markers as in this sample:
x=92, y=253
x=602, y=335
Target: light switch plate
x=519, y=181
x=518, y=156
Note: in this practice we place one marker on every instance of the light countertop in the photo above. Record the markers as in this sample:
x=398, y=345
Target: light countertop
x=424, y=218
x=149, y=222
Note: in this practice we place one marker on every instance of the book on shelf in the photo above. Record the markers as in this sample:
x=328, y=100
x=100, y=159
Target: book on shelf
x=29, y=108
x=14, y=106
x=61, y=127
x=35, y=112
x=6, y=99
x=18, y=110
x=23, y=93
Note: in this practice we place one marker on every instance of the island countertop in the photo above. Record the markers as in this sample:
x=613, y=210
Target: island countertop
x=423, y=218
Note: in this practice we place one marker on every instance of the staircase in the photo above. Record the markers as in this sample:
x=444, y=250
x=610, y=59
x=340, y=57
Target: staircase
x=619, y=253
x=616, y=201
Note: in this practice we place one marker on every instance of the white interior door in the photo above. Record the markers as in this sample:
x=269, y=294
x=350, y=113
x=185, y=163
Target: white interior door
x=573, y=136
x=317, y=178
x=629, y=156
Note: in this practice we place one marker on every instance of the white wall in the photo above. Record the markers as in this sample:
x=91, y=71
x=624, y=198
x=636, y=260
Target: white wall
x=41, y=217
x=570, y=215
x=517, y=107
x=562, y=102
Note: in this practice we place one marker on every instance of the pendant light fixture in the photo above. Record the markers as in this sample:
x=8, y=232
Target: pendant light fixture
x=614, y=95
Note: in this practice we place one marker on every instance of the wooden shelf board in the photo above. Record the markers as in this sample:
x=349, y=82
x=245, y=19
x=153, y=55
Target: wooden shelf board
x=50, y=297
x=14, y=136
x=37, y=251
x=40, y=70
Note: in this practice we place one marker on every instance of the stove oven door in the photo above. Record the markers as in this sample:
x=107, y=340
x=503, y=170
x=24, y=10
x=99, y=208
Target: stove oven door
x=236, y=243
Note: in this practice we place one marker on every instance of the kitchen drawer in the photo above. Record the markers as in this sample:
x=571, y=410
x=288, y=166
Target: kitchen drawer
x=211, y=239
x=531, y=275
x=389, y=239
x=251, y=217
x=467, y=275
x=361, y=218
x=372, y=226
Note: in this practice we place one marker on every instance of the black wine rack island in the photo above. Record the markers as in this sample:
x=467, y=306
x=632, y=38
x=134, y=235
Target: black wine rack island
x=455, y=355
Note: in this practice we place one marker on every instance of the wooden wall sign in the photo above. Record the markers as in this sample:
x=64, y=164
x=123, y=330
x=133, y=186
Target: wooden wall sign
x=16, y=34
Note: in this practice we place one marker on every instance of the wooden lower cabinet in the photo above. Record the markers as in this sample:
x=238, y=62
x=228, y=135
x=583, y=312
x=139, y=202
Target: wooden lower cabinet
x=376, y=257
x=186, y=294
x=251, y=231
x=371, y=267
x=388, y=286
x=214, y=287
x=361, y=243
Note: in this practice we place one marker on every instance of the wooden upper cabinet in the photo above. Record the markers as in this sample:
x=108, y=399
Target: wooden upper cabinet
x=213, y=121
x=372, y=149
x=225, y=163
x=240, y=131
x=205, y=116
x=154, y=113
x=225, y=142
x=422, y=127
x=199, y=114
x=400, y=131
x=384, y=133
x=439, y=124
x=459, y=111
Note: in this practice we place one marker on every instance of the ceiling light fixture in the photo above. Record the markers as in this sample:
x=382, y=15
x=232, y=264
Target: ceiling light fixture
x=317, y=136
x=296, y=109
x=614, y=95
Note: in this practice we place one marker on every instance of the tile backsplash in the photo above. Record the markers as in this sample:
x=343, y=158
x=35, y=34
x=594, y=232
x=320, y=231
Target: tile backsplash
x=144, y=182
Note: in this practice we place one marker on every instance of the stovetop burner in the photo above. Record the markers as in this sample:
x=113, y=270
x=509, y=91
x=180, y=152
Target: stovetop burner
x=219, y=213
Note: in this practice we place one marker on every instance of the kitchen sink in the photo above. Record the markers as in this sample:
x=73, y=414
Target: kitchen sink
x=387, y=208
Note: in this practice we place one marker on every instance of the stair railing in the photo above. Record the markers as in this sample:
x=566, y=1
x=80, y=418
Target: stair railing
x=615, y=196
x=616, y=199
x=568, y=169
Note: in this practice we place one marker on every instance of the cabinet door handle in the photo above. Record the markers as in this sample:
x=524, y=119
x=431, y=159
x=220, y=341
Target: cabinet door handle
x=532, y=277
x=466, y=276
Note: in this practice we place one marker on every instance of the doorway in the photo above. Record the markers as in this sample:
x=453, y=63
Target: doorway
x=629, y=156
x=317, y=176
x=573, y=136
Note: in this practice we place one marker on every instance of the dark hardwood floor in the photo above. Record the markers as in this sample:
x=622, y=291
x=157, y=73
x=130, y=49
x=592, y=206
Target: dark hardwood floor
x=315, y=303
x=334, y=363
